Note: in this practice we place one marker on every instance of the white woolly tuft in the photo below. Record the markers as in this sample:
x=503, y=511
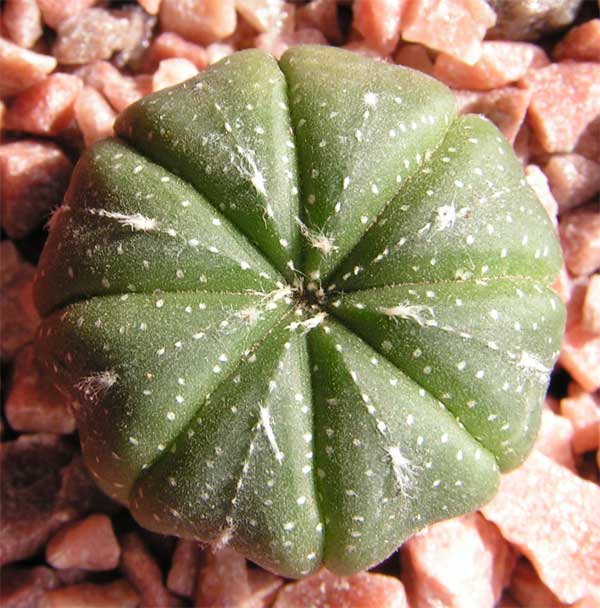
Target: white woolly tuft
x=414, y=312
x=309, y=323
x=403, y=469
x=95, y=385
x=265, y=423
x=54, y=215
x=224, y=537
x=135, y=221
x=319, y=240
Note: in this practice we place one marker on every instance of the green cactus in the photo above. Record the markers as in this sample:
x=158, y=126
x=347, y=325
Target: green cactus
x=302, y=308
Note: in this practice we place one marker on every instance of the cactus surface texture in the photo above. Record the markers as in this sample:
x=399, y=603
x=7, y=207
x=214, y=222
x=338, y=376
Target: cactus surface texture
x=302, y=308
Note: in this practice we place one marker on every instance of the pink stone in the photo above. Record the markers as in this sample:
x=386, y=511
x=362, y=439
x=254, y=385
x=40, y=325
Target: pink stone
x=169, y=45
x=580, y=350
x=277, y=43
x=19, y=318
x=22, y=21
x=263, y=588
x=56, y=11
x=25, y=587
x=262, y=15
x=93, y=115
x=581, y=43
x=184, y=568
x=320, y=15
x=21, y=68
x=580, y=237
x=588, y=144
x=455, y=27
x=150, y=6
x=120, y=90
x=88, y=544
x=554, y=439
x=171, y=72
x=34, y=176
x=33, y=404
x=573, y=179
x=591, y=306
x=521, y=144
x=223, y=581
x=433, y=564
x=501, y=63
x=118, y=594
x=324, y=590
x=551, y=515
x=91, y=35
x=360, y=47
x=562, y=284
x=201, y=21
x=539, y=184
x=32, y=507
x=143, y=572
x=527, y=588
x=379, y=23
x=583, y=410
x=45, y=108
x=506, y=107
x=414, y=56
x=565, y=100
x=217, y=51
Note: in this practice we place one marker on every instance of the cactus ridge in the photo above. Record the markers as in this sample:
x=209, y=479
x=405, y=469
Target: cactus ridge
x=302, y=308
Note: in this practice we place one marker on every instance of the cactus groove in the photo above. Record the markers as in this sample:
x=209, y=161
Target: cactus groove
x=302, y=308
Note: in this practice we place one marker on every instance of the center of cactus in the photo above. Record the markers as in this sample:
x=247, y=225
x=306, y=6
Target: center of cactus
x=302, y=308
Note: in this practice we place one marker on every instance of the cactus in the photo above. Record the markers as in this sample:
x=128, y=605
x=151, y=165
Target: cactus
x=301, y=308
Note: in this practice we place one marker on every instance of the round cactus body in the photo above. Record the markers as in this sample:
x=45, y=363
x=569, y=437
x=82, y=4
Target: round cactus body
x=302, y=308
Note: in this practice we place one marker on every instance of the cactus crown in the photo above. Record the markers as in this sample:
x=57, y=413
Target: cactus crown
x=302, y=308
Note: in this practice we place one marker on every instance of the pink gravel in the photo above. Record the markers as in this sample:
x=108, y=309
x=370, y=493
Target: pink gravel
x=54, y=12
x=33, y=404
x=506, y=107
x=434, y=564
x=551, y=515
x=21, y=68
x=456, y=27
x=501, y=63
x=88, y=544
x=184, y=568
x=565, y=100
x=414, y=56
x=94, y=115
x=555, y=439
x=169, y=45
x=539, y=184
x=527, y=588
x=573, y=179
x=326, y=590
x=581, y=43
x=45, y=108
x=171, y=72
x=34, y=176
x=118, y=594
x=142, y=571
x=200, y=21
x=320, y=15
x=19, y=318
x=118, y=89
x=379, y=23
x=262, y=15
x=22, y=21
x=580, y=238
x=590, y=317
x=582, y=409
